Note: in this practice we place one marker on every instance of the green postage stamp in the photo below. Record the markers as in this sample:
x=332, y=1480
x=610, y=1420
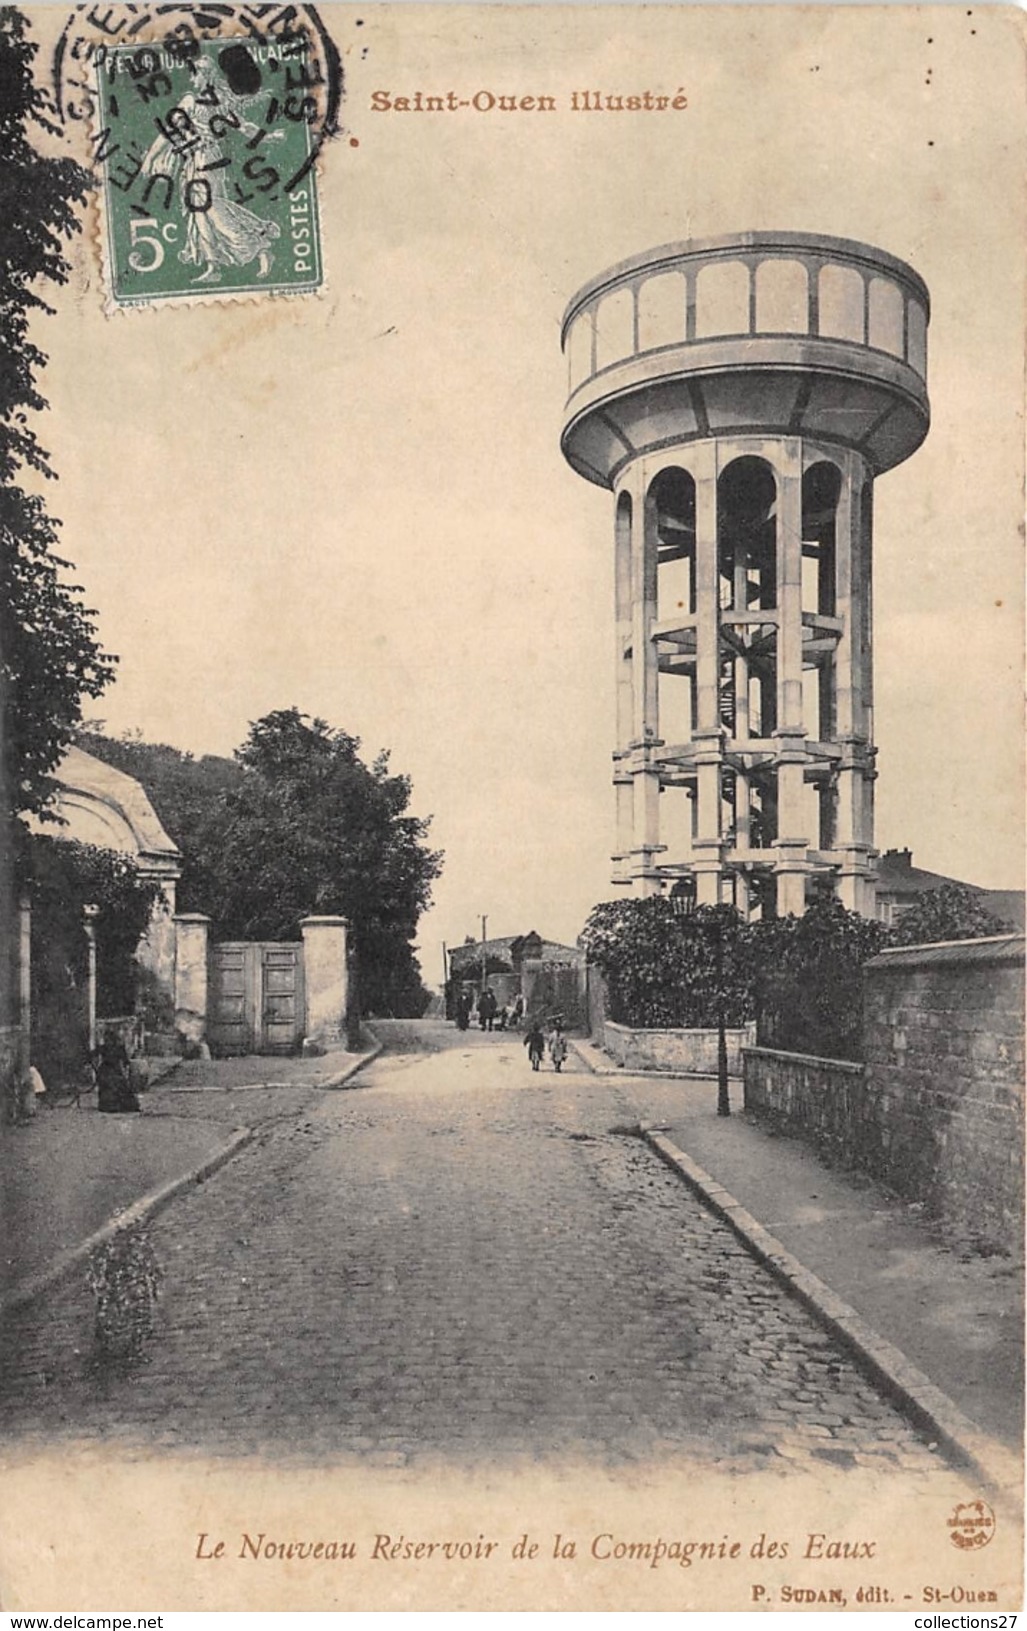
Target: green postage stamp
x=207, y=164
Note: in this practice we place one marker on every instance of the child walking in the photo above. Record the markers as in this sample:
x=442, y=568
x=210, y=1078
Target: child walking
x=557, y=1046
x=535, y=1043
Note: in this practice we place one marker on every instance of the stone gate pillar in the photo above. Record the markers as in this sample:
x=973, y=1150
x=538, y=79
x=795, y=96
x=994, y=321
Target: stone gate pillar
x=191, y=931
x=324, y=978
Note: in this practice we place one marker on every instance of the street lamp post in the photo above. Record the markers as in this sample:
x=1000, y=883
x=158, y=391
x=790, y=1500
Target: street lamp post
x=723, y=1099
x=90, y=915
x=683, y=902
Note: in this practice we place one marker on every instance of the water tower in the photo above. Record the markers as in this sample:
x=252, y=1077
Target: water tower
x=739, y=395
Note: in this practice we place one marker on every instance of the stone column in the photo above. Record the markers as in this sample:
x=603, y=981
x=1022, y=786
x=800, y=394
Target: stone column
x=324, y=978
x=157, y=948
x=791, y=842
x=623, y=781
x=191, y=932
x=707, y=733
x=90, y=915
x=645, y=681
x=854, y=810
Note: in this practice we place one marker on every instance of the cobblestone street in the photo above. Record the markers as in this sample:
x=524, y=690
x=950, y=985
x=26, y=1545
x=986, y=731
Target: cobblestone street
x=455, y=1260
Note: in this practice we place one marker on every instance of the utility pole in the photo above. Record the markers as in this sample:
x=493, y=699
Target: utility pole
x=484, y=920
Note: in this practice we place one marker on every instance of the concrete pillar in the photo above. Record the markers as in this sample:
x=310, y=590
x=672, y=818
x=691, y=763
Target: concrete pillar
x=324, y=978
x=792, y=841
x=645, y=692
x=157, y=947
x=626, y=520
x=854, y=821
x=707, y=734
x=191, y=933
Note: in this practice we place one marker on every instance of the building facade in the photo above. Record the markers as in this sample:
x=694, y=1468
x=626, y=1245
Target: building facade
x=739, y=396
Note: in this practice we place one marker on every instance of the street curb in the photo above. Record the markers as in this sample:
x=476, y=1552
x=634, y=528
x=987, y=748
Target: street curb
x=146, y=1207
x=914, y=1393
x=621, y=1071
x=343, y=1076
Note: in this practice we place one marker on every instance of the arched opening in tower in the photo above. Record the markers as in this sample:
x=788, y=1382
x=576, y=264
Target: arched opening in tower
x=747, y=586
x=672, y=506
x=671, y=509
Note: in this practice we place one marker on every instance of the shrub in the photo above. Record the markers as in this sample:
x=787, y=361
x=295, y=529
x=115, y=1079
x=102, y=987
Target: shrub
x=125, y=1277
x=665, y=968
x=67, y=876
x=809, y=982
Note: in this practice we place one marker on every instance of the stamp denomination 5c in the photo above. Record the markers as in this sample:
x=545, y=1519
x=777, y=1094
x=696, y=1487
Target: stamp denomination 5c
x=204, y=154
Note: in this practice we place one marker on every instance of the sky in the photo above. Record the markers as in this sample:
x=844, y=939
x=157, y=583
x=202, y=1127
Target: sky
x=356, y=503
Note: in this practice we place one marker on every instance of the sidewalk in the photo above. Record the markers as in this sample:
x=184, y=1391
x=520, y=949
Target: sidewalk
x=69, y=1172
x=957, y=1317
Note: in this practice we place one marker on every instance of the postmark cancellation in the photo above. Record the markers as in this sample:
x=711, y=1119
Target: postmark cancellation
x=204, y=150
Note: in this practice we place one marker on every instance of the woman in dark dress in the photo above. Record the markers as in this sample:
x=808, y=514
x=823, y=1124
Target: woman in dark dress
x=113, y=1072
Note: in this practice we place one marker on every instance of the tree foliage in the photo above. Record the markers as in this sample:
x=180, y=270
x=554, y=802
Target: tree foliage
x=950, y=912
x=809, y=981
x=800, y=978
x=67, y=877
x=666, y=968
x=188, y=795
x=49, y=656
x=297, y=826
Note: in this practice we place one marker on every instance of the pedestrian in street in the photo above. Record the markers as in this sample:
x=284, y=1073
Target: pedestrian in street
x=463, y=1011
x=502, y=1018
x=517, y=1013
x=557, y=1046
x=535, y=1043
x=112, y=1069
x=487, y=1008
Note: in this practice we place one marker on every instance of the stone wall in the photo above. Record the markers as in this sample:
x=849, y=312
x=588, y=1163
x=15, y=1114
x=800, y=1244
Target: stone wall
x=821, y=1100
x=11, y=1062
x=936, y=1112
x=944, y=1041
x=597, y=1002
x=693, y=1052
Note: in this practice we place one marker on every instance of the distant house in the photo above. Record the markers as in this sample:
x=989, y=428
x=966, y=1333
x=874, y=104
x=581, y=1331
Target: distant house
x=511, y=951
x=546, y=973
x=899, y=883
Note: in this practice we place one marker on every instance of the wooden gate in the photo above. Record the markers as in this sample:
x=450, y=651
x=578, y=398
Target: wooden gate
x=255, y=997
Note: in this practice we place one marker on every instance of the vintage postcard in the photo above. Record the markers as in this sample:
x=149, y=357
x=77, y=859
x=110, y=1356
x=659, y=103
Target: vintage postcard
x=491, y=440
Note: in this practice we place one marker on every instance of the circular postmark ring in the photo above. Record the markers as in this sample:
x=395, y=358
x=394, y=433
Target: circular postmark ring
x=971, y=1525
x=89, y=34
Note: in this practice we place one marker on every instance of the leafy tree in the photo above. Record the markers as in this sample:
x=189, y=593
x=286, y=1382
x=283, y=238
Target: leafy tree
x=311, y=829
x=809, y=982
x=950, y=912
x=49, y=655
x=187, y=794
x=802, y=977
x=296, y=825
x=68, y=876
